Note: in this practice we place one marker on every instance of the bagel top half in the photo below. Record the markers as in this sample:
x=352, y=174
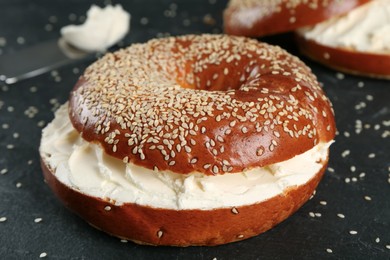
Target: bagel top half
x=212, y=104
x=255, y=18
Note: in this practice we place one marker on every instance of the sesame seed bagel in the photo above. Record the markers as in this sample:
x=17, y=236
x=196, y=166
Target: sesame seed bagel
x=213, y=104
x=191, y=140
x=264, y=17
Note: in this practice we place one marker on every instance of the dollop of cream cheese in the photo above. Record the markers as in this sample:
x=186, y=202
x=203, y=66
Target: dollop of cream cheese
x=103, y=28
x=365, y=29
x=85, y=167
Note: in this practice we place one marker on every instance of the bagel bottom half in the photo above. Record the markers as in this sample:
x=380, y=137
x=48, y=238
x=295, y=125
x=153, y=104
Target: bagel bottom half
x=348, y=60
x=157, y=226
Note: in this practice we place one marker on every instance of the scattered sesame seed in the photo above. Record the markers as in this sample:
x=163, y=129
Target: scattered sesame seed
x=18, y=185
x=38, y=220
x=160, y=233
x=144, y=20
x=107, y=208
x=329, y=250
x=3, y=219
x=353, y=232
x=371, y=155
x=42, y=255
x=388, y=246
x=345, y=153
x=3, y=171
x=323, y=202
x=377, y=240
x=340, y=76
x=234, y=210
x=341, y=215
x=367, y=198
x=124, y=241
x=20, y=40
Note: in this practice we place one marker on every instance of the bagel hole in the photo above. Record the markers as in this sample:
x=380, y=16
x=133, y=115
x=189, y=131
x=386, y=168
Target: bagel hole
x=224, y=77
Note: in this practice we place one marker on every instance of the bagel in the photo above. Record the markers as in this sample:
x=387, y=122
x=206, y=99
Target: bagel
x=257, y=18
x=190, y=140
x=356, y=43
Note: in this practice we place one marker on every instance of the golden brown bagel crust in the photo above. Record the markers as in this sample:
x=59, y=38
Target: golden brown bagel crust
x=374, y=65
x=264, y=17
x=209, y=103
x=155, y=226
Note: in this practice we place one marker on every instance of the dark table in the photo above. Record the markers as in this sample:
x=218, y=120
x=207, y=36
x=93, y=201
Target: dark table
x=348, y=218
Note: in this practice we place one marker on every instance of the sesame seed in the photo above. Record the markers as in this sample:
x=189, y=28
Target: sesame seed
x=160, y=233
x=341, y=215
x=3, y=219
x=194, y=160
x=43, y=255
x=367, y=198
x=353, y=232
x=340, y=76
x=326, y=56
x=329, y=250
x=234, y=211
x=107, y=208
x=345, y=153
x=240, y=236
x=38, y=220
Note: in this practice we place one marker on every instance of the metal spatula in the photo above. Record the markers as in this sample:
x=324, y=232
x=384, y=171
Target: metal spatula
x=38, y=59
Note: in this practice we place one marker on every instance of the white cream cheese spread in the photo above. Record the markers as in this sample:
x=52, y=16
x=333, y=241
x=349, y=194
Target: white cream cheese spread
x=85, y=167
x=365, y=29
x=103, y=28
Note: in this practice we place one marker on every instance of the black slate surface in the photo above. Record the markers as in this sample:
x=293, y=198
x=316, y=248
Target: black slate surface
x=348, y=218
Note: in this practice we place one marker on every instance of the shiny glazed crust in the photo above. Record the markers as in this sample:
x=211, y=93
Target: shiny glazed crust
x=156, y=226
x=346, y=60
x=264, y=17
x=211, y=103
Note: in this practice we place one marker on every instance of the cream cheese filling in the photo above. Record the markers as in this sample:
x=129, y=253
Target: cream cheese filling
x=365, y=29
x=85, y=167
